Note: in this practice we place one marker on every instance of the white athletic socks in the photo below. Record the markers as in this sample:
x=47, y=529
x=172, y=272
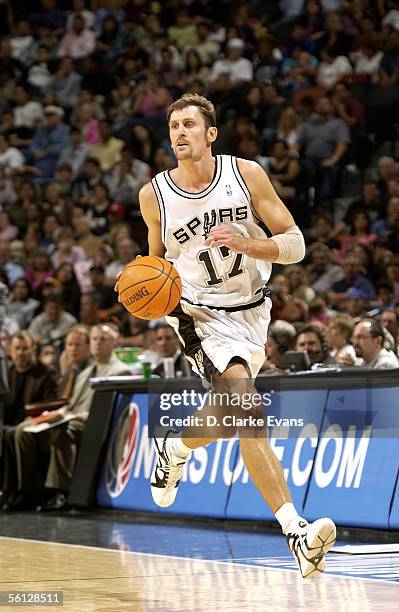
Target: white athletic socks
x=286, y=515
x=179, y=448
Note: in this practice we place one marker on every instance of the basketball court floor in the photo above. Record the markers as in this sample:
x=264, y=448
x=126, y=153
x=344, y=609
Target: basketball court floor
x=115, y=561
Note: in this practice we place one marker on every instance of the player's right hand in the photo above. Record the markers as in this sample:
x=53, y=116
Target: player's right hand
x=118, y=277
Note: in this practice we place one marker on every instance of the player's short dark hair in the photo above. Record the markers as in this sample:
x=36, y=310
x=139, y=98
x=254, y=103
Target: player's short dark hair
x=204, y=106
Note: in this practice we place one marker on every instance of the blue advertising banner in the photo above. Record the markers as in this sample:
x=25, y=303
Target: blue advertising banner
x=357, y=459
x=125, y=476
x=295, y=447
x=339, y=451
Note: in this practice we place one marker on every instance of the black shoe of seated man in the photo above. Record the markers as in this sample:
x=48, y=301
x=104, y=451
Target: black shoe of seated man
x=56, y=503
x=22, y=501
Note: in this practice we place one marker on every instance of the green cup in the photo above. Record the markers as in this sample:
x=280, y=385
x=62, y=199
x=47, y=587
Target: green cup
x=146, y=367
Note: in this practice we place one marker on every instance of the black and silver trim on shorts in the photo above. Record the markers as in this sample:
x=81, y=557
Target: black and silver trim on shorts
x=192, y=345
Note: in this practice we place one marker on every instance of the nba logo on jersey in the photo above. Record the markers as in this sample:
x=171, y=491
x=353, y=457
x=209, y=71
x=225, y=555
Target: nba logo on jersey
x=229, y=190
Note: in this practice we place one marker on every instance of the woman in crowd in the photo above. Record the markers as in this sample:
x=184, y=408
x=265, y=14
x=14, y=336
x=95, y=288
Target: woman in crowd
x=22, y=307
x=339, y=333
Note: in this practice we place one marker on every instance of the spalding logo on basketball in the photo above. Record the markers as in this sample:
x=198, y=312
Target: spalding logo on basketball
x=149, y=287
x=122, y=450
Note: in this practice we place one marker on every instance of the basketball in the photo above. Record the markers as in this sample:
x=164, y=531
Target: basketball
x=149, y=287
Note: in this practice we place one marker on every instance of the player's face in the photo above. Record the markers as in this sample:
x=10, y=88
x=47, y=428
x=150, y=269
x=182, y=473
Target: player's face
x=189, y=136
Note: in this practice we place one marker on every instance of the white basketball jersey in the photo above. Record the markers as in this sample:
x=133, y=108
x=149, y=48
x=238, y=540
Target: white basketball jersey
x=211, y=276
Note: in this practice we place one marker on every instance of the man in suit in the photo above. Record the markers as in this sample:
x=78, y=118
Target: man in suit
x=63, y=441
x=29, y=382
x=167, y=344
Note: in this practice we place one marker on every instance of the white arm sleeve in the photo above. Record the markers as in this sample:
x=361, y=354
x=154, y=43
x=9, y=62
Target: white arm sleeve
x=291, y=246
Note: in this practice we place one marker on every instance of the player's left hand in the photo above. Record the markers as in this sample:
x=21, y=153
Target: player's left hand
x=223, y=235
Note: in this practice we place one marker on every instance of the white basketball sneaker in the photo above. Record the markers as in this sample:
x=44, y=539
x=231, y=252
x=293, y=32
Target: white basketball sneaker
x=167, y=473
x=309, y=542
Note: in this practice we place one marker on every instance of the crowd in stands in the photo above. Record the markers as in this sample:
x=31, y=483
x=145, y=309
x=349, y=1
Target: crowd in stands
x=309, y=90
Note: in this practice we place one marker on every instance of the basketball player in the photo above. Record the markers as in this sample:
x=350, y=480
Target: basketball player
x=204, y=217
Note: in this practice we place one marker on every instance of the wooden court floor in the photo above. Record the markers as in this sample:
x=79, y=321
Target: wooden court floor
x=100, y=579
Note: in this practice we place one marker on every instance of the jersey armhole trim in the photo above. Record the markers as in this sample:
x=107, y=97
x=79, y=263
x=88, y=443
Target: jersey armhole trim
x=161, y=205
x=243, y=186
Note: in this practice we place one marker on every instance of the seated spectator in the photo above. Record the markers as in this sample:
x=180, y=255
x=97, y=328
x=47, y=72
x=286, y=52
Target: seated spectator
x=299, y=70
x=88, y=125
x=109, y=305
x=78, y=41
x=74, y=358
x=79, y=8
x=84, y=236
x=367, y=58
x=39, y=271
x=360, y=232
x=288, y=129
x=152, y=100
x=39, y=75
x=280, y=339
x=319, y=313
x=28, y=382
x=183, y=33
x=49, y=140
x=368, y=338
x=238, y=68
x=313, y=18
x=69, y=288
x=321, y=270
x=66, y=83
x=332, y=68
x=75, y=154
x=334, y=35
x=63, y=441
x=13, y=270
x=8, y=231
x=349, y=109
x=338, y=334
x=90, y=308
x=21, y=306
x=298, y=283
x=194, y=69
x=128, y=177
x=66, y=251
x=22, y=43
x=11, y=158
x=371, y=201
x=54, y=323
x=27, y=112
x=167, y=344
x=324, y=233
x=384, y=298
x=353, y=279
x=266, y=62
x=51, y=228
x=311, y=340
x=108, y=150
x=90, y=176
x=111, y=39
x=126, y=250
x=285, y=175
x=324, y=142
x=206, y=48
x=47, y=356
x=389, y=321
x=392, y=272
x=388, y=224
x=285, y=306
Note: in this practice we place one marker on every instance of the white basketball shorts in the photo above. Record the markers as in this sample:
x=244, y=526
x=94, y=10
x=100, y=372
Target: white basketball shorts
x=212, y=338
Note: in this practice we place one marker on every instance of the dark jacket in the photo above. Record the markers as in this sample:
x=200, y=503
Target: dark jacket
x=41, y=384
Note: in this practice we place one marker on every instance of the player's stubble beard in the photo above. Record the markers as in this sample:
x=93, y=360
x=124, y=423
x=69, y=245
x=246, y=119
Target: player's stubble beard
x=188, y=154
